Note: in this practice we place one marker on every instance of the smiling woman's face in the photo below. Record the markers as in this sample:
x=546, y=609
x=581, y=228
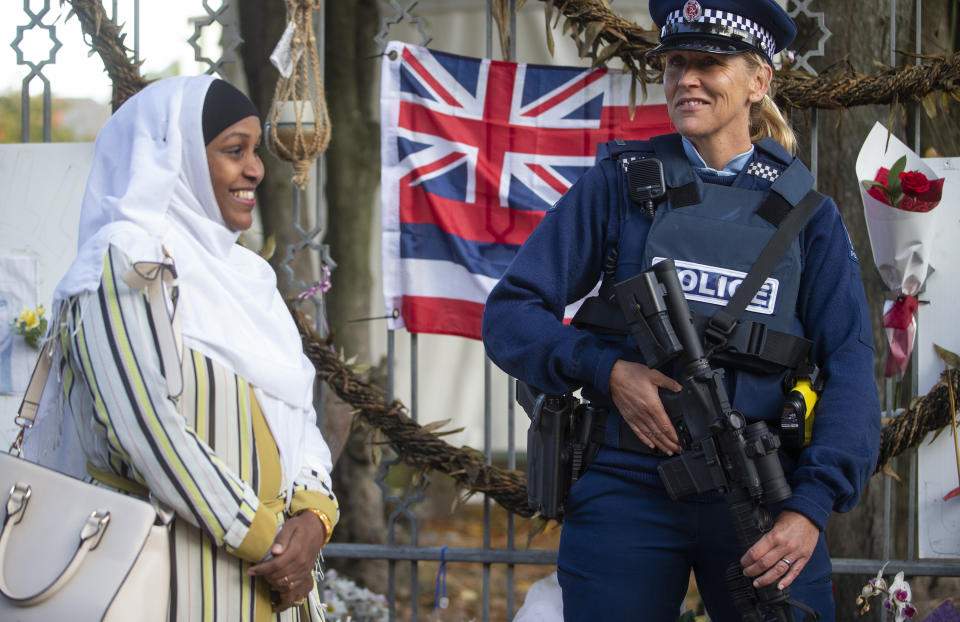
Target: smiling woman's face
x=235, y=171
x=709, y=95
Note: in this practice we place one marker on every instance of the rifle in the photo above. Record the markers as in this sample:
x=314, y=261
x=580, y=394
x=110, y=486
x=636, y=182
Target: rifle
x=721, y=452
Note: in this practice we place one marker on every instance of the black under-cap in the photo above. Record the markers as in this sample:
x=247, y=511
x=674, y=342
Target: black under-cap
x=223, y=106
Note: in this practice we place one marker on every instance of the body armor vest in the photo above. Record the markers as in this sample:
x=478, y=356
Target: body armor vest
x=714, y=233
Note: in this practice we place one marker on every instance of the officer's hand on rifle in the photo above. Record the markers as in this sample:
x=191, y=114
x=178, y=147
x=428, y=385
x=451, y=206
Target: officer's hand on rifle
x=781, y=553
x=634, y=388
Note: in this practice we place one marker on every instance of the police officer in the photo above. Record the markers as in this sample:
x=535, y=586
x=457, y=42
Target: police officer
x=627, y=549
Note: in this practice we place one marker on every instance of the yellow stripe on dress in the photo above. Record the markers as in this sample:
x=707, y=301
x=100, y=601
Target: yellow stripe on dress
x=149, y=414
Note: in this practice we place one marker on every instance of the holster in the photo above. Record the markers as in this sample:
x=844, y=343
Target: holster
x=559, y=446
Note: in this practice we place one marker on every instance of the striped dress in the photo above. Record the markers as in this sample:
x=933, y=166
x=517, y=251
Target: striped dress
x=209, y=454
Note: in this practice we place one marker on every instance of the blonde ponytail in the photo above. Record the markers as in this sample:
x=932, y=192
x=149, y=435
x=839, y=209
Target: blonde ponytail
x=766, y=120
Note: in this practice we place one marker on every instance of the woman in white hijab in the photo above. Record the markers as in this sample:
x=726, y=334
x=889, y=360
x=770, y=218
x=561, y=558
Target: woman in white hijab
x=236, y=453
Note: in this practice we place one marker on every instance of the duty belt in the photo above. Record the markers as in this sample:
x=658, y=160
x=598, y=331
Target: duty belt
x=627, y=440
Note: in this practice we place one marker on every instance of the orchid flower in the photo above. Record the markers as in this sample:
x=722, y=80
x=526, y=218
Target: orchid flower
x=897, y=594
x=899, y=599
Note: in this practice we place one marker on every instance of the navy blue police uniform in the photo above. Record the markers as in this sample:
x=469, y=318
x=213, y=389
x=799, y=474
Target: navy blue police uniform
x=626, y=548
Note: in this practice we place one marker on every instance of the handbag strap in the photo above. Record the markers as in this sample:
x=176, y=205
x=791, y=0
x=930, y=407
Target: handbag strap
x=155, y=277
x=31, y=398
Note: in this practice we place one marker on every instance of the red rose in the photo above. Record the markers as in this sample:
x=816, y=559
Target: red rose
x=919, y=193
x=914, y=183
x=882, y=176
x=880, y=194
x=933, y=194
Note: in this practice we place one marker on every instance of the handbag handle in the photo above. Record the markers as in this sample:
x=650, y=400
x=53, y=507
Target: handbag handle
x=90, y=536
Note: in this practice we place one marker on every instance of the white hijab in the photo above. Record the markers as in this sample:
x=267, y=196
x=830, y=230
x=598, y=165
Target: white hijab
x=149, y=187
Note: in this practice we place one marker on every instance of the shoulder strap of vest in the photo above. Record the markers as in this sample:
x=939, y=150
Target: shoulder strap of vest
x=786, y=192
x=775, y=150
x=725, y=319
x=682, y=183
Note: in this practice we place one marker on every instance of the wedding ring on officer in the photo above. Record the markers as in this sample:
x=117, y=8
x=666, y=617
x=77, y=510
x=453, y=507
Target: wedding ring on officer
x=286, y=580
x=787, y=562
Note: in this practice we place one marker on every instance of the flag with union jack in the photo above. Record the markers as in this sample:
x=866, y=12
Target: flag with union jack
x=473, y=153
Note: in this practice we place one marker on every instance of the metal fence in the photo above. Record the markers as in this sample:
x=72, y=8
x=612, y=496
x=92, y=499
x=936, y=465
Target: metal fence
x=403, y=515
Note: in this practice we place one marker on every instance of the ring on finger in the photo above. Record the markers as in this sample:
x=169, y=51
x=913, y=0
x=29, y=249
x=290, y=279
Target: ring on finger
x=787, y=562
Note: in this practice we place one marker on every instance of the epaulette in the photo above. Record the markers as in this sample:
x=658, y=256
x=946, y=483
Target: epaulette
x=772, y=159
x=615, y=148
x=774, y=150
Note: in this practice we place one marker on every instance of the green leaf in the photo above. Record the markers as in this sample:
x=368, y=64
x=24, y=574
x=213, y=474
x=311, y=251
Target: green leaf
x=893, y=179
x=951, y=359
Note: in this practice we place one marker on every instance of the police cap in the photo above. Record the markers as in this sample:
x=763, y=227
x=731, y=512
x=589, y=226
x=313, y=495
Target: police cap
x=722, y=26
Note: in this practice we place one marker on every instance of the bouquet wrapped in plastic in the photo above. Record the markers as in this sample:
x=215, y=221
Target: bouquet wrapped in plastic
x=899, y=193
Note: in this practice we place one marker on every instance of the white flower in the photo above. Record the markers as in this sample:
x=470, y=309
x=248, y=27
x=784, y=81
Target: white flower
x=900, y=589
x=899, y=599
x=897, y=595
x=348, y=602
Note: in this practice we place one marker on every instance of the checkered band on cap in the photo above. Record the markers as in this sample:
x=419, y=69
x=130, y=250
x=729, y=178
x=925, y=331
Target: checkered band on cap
x=724, y=24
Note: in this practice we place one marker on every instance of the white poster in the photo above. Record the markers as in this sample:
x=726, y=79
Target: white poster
x=939, y=520
x=41, y=188
x=18, y=291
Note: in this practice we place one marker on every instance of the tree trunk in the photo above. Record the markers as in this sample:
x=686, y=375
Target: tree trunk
x=353, y=170
x=861, y=33
x=353, y=167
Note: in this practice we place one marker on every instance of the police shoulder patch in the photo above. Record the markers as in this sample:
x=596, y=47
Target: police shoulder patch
x=763, y=171
x=853, y=253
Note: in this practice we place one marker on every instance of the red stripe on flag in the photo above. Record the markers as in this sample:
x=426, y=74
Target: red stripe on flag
x=425, y=75
x=419, y=173
x=545, y=175
x=559, y=97
x=444, y=316
x=481, y=222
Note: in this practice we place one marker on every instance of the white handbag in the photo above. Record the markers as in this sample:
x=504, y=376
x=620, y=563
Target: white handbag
x=75, y=551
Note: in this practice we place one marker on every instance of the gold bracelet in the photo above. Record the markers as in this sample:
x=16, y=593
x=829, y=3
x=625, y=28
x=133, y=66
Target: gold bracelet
x=327, y=523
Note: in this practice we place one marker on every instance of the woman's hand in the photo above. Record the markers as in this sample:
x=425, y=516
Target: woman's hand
x=792, y=540
x=634, y=389
x=290, y=571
